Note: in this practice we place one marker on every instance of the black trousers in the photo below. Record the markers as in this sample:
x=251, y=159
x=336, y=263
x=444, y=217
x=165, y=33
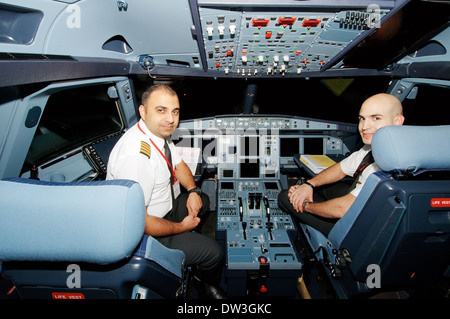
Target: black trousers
x=322, y=194
x=202, y=252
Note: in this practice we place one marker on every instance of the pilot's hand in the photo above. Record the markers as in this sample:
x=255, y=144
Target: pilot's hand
x=194, y=204
x=298, y=194
x=190, y=222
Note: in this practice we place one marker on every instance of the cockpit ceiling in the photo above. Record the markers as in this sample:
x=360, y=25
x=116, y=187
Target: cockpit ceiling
x=251, y=39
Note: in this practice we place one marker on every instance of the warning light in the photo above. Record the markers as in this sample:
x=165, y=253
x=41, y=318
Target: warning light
x=311, y=23
x=285, y=21
x=263, y=289
x=260, y=23
x=262, y=259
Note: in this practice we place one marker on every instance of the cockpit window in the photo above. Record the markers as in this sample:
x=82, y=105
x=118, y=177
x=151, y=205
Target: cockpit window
x=72, y=118
x=425, y=107
x=333, y=99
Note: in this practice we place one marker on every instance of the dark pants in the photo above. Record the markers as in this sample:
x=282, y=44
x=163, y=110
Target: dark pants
x=201, y=251
x=322, y=224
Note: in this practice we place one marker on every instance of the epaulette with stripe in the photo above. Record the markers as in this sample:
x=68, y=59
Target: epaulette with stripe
x=145, y=149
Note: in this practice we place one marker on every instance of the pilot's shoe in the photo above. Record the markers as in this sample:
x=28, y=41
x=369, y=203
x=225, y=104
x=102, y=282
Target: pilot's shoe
x=213, y=292
x=208, y=291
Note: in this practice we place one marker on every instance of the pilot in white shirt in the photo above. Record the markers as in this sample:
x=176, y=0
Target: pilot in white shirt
x=322, y=212
x=140, y=156
x=135, y=157
x=350, y=164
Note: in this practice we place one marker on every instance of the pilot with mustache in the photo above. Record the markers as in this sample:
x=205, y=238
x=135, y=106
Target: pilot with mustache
x=142, y=154
x=323, y=199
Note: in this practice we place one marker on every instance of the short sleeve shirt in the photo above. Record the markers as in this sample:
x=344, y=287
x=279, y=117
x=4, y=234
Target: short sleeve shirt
x=350, y=164
x=134, y=157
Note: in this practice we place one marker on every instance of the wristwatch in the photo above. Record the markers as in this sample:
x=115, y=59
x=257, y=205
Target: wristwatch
x=305, y=203
x=195, y=190
x=302, y=181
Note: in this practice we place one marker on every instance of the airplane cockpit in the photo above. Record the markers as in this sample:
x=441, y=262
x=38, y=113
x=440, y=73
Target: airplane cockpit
x=269, y=94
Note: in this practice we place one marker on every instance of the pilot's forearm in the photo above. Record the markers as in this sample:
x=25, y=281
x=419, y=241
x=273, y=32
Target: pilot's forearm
x=158, y=227
x=333, y=208
x=184, y=175
x=330, y=175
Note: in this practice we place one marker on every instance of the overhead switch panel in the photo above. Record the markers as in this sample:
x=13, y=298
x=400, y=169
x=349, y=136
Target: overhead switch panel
x=278, y=43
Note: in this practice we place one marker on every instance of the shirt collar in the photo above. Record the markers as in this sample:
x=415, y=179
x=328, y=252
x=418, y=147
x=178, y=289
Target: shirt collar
x=156, y=139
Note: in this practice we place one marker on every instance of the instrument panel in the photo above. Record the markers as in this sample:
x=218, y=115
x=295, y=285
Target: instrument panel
x=252, y=42
x=258, y=146
x=249, y=156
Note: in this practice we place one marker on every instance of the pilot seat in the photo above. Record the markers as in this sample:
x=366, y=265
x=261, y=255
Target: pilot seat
x=396, y=235
x=83, y=240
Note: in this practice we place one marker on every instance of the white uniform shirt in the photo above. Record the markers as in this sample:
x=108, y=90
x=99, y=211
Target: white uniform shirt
x=135, y=158
x=350, y=164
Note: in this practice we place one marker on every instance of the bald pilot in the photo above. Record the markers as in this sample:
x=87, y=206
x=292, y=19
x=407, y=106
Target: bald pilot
x=323, y=199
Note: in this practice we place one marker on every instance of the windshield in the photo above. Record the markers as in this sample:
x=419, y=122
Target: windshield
x=334, y=99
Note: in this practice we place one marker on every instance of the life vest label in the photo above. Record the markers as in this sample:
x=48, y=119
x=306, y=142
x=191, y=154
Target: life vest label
x=67, y=295
x=440, y=202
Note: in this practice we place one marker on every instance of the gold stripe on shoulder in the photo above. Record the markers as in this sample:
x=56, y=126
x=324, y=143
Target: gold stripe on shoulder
x=145, y=149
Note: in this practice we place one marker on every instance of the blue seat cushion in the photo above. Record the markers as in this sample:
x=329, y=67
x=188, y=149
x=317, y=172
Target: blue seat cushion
x=172, y=260
x=97, y=222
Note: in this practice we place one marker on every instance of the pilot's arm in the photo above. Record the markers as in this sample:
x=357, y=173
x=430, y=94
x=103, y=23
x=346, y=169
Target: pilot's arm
x=333, y=208
x=299, y=194
x=135, y=167
x=184, y=175
x=157, y=226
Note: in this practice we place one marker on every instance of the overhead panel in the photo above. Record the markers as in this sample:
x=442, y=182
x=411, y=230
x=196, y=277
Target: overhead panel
x=265, y=43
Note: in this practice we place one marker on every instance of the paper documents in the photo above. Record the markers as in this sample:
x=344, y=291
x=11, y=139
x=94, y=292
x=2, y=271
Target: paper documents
x=317, y=163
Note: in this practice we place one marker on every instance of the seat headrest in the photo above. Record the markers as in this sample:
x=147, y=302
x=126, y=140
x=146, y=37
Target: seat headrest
x=97, y=222
x=412, y=148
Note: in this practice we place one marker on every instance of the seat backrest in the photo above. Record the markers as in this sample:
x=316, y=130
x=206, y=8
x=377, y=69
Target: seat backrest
x=412, y=149
x=403, y=226
x=96, y=222
x=47, y=229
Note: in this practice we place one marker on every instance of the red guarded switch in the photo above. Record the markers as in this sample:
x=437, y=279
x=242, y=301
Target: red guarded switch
x=260, y=22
